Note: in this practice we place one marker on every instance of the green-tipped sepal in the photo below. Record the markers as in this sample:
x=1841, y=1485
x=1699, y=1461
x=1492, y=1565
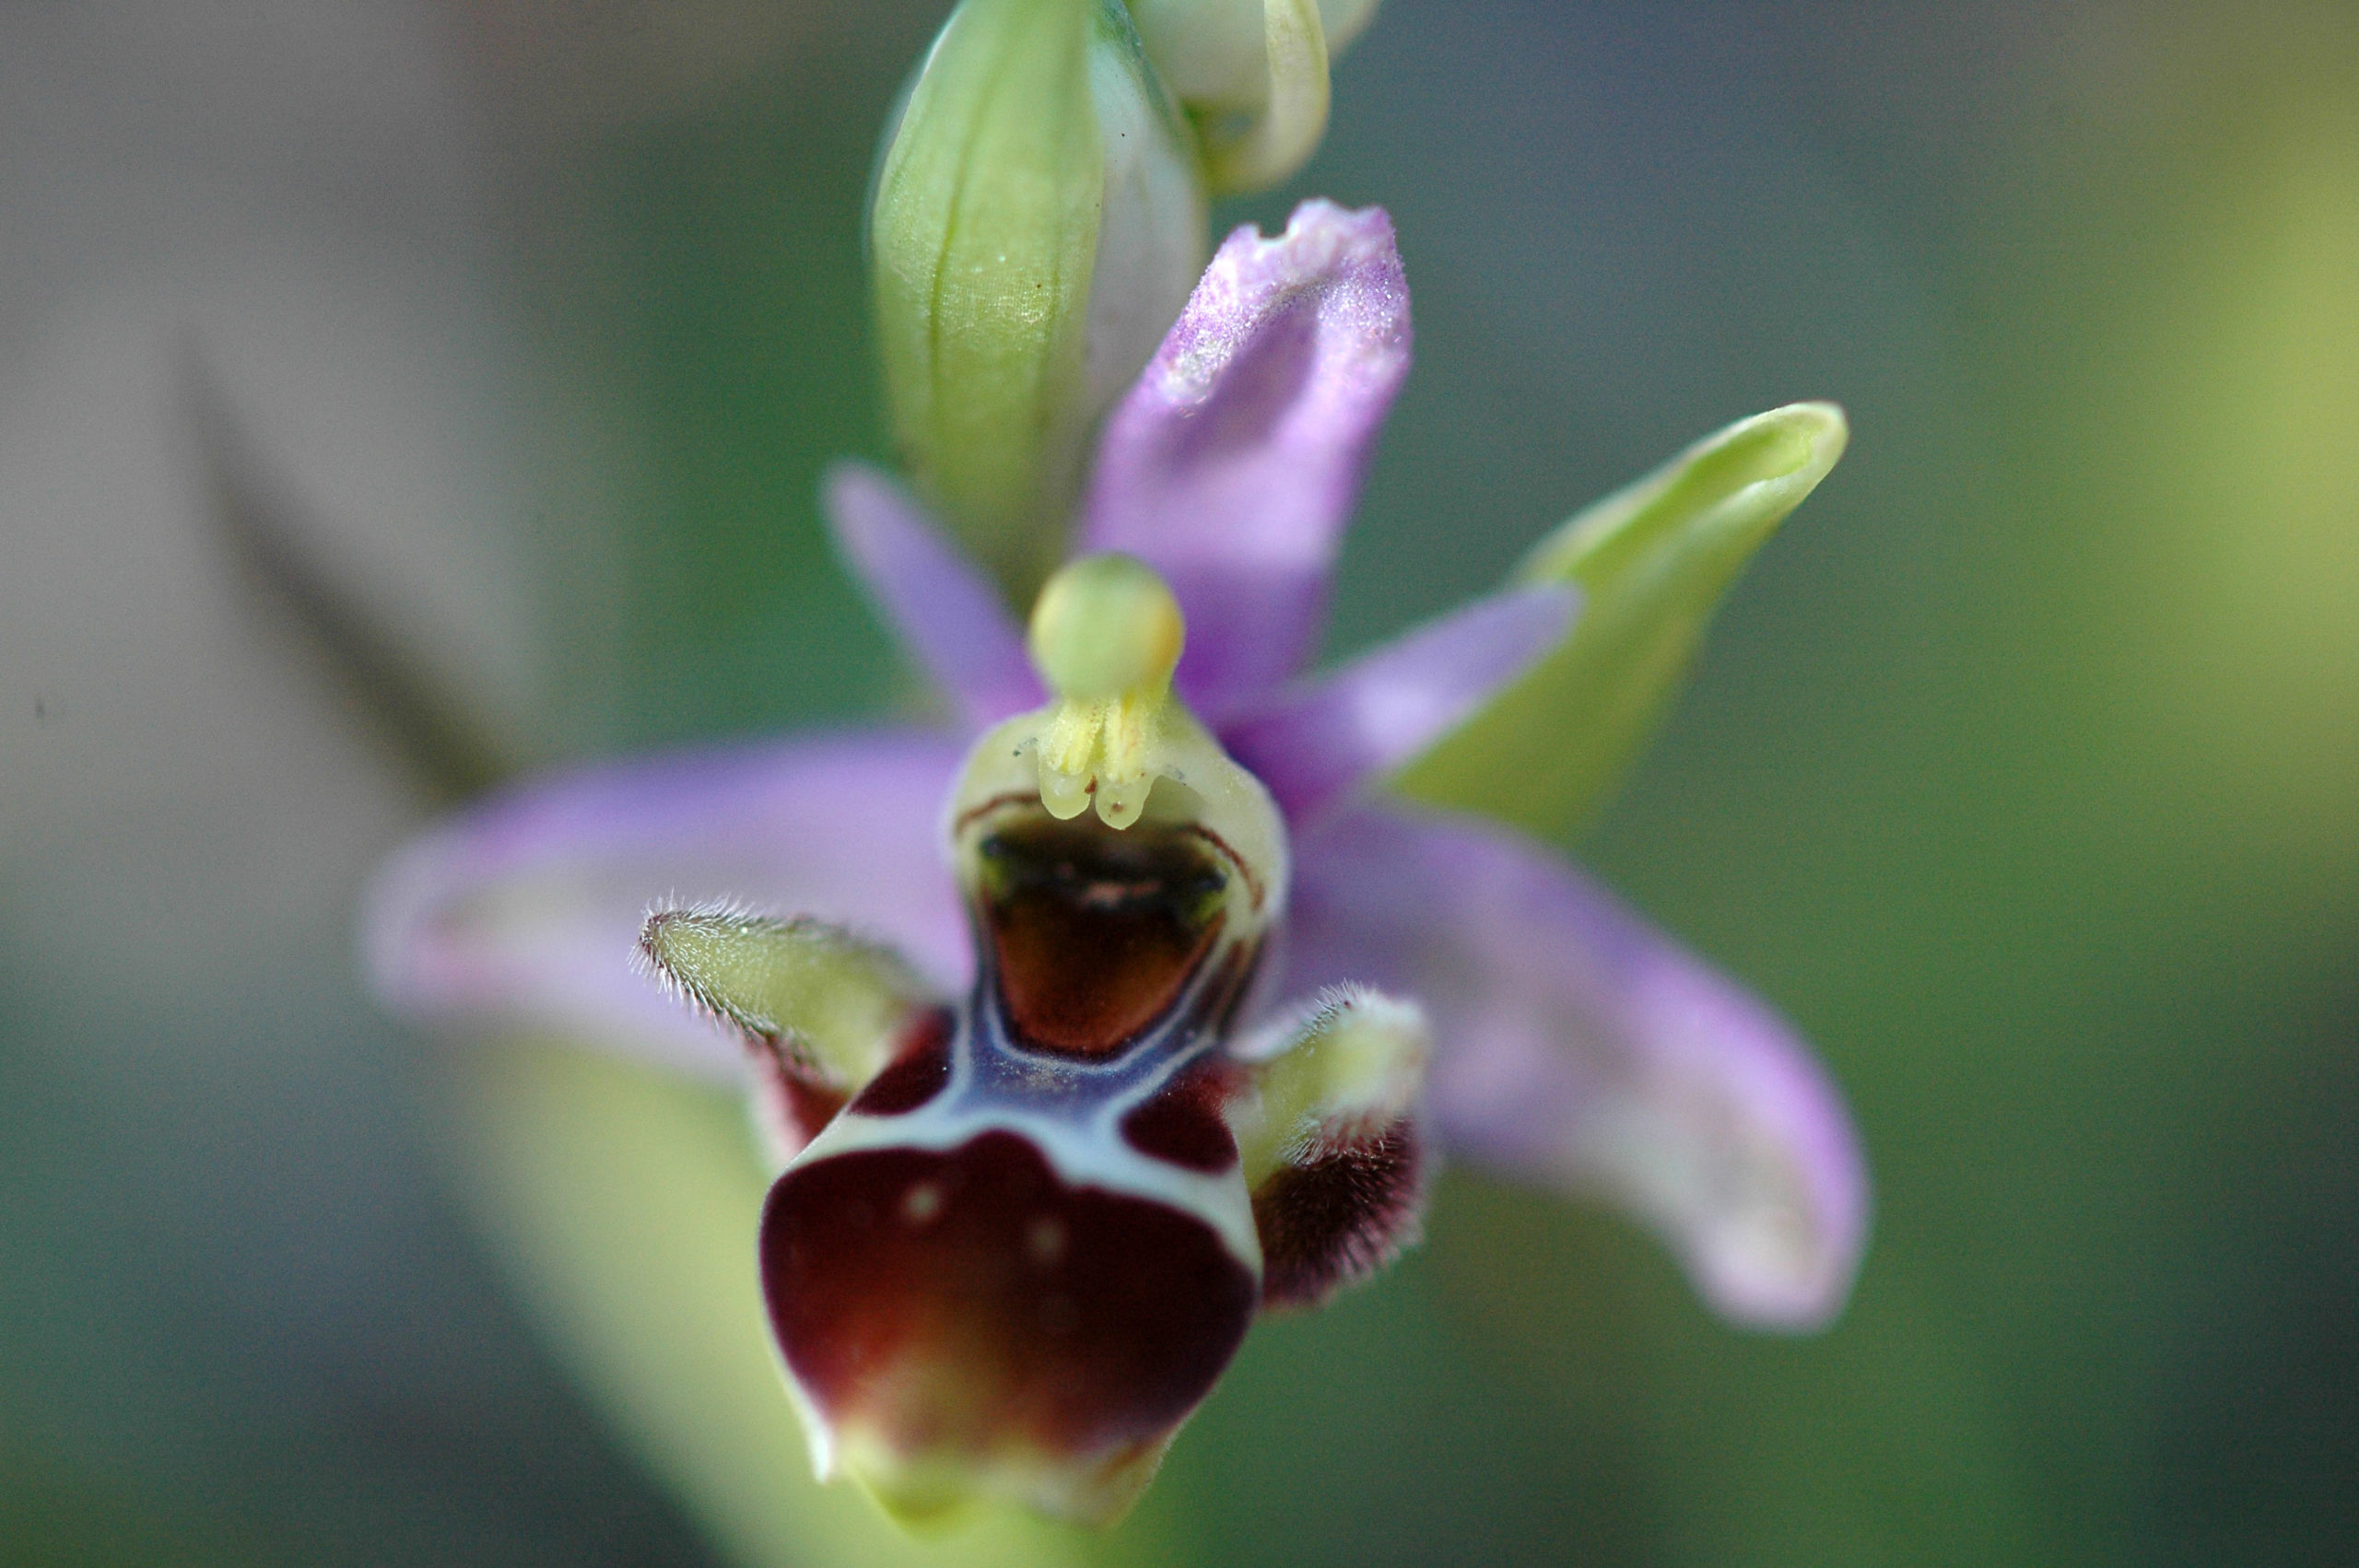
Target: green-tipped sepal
x=1038, y=223
x=1653, y=562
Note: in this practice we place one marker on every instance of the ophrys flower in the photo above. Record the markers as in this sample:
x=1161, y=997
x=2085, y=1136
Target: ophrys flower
x=1131, y=1004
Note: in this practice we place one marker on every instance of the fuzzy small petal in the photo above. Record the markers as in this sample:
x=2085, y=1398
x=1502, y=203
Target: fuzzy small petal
x=525, y=911
x=1318, y=743
x=944, y=609
x=1233, y=464
x=1577, y=1046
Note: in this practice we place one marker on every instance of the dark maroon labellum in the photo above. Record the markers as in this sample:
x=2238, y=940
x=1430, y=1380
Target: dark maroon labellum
x=969, y=1301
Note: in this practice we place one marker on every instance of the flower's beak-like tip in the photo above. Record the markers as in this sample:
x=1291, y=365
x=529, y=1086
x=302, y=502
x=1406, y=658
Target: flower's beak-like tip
x=1106, y=625
x=843, y=485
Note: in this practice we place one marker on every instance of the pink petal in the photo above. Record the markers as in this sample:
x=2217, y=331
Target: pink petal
x=1577, y=1046
x=941, y=605
x=524, y=912
x=1317, y=742
x=1233, y=464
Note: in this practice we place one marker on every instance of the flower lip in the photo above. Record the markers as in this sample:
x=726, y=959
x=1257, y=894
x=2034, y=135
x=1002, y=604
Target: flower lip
x=966, y=1317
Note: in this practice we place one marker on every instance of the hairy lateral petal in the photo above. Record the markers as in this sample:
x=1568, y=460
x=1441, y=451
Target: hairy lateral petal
x=1576, y=1045
x=1232, y=465
x=526, y=910
x=1318, y=741
x=944, y=609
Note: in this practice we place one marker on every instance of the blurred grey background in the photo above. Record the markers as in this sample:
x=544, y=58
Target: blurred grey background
x=2022, y=770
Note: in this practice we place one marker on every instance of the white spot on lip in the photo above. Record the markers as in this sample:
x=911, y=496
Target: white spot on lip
x=1044, y=1241
x=921, y=1203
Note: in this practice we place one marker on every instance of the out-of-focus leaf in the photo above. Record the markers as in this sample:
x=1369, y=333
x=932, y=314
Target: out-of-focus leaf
x=1652, y=561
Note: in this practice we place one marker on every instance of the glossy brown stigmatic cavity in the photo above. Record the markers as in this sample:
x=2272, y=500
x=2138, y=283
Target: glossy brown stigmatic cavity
x=1095, y=933
x=1338, y=1216
x=967, y=1308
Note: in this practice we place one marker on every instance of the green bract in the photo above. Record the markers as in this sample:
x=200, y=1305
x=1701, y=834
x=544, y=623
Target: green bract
x=1039, y=221
x=1653, y=562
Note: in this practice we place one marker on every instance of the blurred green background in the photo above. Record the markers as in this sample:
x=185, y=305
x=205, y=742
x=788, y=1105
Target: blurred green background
x=2021, y=771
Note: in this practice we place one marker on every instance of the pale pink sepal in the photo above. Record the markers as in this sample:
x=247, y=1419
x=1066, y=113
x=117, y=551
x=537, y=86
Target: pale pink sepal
x=1578, y=1046
x=524, y=911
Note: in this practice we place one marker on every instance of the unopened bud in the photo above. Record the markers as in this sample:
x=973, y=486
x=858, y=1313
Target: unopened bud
x=1252, y=74
x=1038, y=223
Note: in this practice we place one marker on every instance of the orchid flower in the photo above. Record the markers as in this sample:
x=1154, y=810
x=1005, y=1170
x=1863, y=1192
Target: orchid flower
x=1129, y=1002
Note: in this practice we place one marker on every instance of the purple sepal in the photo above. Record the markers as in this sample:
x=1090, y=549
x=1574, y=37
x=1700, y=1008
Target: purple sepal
x=1578, y=1046
x=1317, y=742
x=525, y=911
x=939, y=603
x=1232, y=465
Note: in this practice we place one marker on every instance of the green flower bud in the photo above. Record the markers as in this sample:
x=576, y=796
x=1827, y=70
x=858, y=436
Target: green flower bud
x=1252, y=73
x=1038, y=223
